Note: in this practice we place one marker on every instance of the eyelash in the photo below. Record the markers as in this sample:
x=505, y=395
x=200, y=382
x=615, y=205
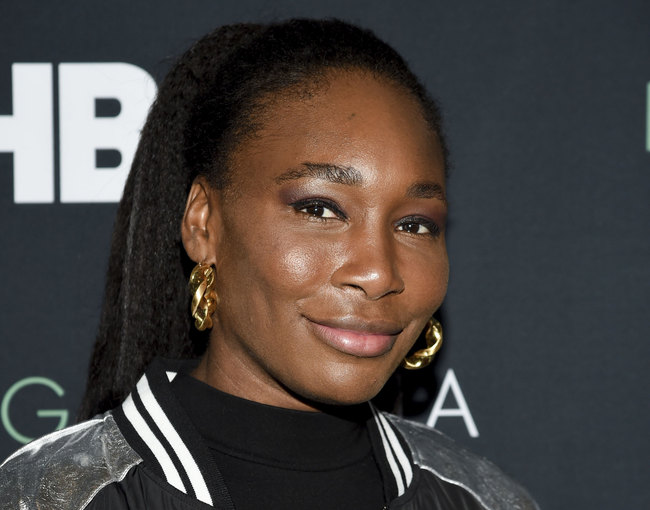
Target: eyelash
x=302, y=205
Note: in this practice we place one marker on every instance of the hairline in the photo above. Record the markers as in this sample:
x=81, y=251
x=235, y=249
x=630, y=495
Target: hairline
x=304, y=90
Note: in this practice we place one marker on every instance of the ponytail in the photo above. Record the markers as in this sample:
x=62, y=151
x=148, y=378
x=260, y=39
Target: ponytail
x=145, y=309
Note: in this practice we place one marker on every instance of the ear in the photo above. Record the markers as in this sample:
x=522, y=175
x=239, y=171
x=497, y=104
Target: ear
x=200, y=228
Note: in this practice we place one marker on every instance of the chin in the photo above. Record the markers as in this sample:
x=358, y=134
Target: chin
x=344, y=391
x=336, y=379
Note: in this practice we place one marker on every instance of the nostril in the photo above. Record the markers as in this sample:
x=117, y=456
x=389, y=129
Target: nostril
x=374, y=284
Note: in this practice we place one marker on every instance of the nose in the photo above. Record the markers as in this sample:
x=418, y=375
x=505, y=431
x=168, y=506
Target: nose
x=370, y=265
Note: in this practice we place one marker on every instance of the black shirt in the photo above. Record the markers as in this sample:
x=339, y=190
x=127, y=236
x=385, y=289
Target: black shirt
x=277, y=458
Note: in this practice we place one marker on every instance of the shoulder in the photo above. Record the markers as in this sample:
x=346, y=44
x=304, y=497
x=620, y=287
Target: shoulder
x=433, y=451
x=66, y=469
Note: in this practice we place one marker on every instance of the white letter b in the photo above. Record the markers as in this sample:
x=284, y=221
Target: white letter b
x=82, y=133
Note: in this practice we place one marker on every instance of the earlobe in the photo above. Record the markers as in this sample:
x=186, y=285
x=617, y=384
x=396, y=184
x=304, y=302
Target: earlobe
x=198, y=227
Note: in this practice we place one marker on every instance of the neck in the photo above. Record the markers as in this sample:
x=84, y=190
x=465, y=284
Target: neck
x=226, y=377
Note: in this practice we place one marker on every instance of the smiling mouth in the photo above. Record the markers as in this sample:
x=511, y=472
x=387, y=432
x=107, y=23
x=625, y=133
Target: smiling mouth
x=356, y=338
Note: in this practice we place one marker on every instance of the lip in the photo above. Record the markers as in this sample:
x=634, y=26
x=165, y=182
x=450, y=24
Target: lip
x=356, y=337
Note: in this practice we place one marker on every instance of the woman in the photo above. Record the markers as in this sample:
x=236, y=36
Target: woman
x=299, y=169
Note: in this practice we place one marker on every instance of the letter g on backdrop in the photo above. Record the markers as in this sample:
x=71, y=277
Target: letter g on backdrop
x=61, y=414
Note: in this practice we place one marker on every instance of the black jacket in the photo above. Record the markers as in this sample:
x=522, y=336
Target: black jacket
x=143, y=455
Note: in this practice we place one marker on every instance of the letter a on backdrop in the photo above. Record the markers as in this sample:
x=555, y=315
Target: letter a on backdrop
x=450, y=383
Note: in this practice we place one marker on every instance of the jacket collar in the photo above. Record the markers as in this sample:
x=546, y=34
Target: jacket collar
x=153, y=421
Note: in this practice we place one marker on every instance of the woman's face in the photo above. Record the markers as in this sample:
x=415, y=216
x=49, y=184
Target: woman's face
x=328, y=244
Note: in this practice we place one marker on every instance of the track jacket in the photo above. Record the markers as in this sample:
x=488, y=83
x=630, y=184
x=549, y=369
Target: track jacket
x=143, y=455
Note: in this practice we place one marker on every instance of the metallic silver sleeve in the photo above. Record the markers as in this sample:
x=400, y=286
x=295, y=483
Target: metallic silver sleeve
x=439, y=454
x=65, y=470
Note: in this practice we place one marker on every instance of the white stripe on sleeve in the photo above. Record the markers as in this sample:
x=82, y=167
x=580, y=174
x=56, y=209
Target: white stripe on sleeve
x=168, y=430
x=389, y=454
x=156, y=447
x=397, y=447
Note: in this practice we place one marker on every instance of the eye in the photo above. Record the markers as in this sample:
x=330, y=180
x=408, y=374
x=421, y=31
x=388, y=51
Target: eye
x=318, y=208
x=414, y=228
x=419, y=226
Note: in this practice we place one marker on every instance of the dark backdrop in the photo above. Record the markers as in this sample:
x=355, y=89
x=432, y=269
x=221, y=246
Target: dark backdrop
x=547, y=112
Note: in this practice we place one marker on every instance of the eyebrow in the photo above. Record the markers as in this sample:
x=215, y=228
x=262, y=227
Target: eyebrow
x=352, y=177
x=426, y=190
x=327, y=171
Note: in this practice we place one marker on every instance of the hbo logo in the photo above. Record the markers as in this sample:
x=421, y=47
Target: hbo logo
x=101, y=109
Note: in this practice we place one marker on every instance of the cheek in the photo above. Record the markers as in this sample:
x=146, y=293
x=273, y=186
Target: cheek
x=291, y=265
x=297, y=265
x=428, y=282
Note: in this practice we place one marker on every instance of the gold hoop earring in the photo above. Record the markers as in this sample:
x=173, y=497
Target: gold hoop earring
x=421, y=358
x=204, y=295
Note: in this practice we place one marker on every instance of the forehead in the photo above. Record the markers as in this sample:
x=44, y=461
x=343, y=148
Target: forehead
x=353, y=119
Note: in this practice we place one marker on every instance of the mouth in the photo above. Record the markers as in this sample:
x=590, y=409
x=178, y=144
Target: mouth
x=356, y=337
